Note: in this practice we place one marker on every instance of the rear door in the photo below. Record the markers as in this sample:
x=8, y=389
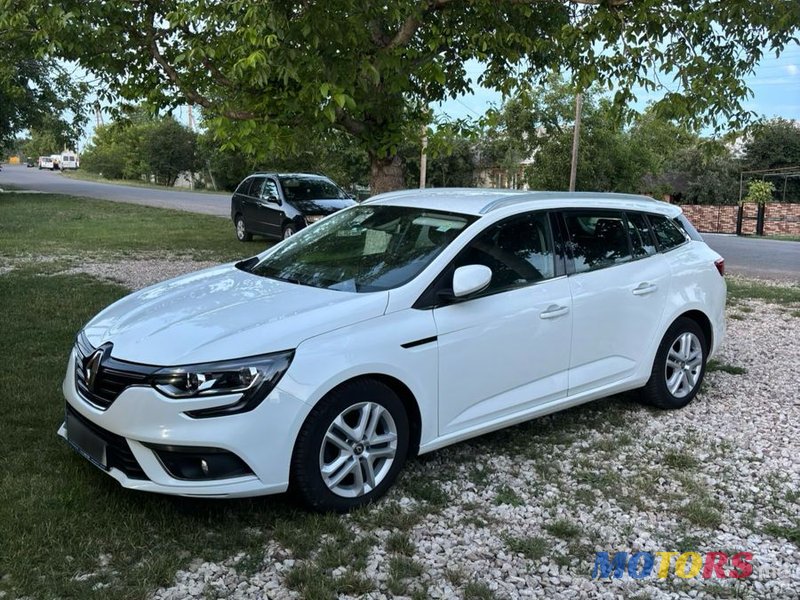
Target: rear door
x=619, y=288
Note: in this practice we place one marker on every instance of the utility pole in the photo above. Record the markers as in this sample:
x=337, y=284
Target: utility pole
x=573, y=173
x=191, y=128
x=423, y=159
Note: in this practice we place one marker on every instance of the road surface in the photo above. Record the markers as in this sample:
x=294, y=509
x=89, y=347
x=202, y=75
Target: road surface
x=750, y=257
x=52, y=181
x=757, y=257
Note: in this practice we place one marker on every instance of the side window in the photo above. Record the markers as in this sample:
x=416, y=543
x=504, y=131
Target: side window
x=597, y=239
x=641, y=236
x=667, y=233
x=519, y=251
x=255, y=187
x=270, y=189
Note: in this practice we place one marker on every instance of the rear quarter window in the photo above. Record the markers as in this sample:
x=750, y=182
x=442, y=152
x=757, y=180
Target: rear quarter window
x=668, y=234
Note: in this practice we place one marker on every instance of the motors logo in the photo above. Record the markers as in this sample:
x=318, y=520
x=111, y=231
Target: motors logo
x=686, y=565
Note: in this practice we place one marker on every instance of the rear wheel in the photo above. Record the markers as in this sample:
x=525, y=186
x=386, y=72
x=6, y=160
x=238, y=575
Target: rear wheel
x=679, y=367
x=351, y=447
x=241, y=231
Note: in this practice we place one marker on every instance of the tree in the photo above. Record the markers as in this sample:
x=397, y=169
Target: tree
x=775, y=144
x=265, y=72
x=36, y=91
x=703, y=173
x=759, y=191
x=142, y=146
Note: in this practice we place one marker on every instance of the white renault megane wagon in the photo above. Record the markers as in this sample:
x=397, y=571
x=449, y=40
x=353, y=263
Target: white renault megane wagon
x=392, y=328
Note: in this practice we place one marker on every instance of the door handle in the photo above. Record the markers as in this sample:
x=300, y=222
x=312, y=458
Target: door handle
x=553, y=311
x=644, y=288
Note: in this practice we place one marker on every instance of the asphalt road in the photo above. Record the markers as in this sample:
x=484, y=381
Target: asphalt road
x=53, y=182
x=751, y=257
x=757, y=257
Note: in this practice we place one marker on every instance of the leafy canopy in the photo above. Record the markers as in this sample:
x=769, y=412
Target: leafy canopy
x=265, y=72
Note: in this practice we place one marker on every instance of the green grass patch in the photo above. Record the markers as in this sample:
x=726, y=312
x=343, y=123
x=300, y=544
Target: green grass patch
x=477, y=590
x=679, y=459
x=505, y=495
x=51, y=224
x=399, y=543
x=715, y=365
x=744, y=289
x=532, y=547
x=787, y=532
x=564, y=529
x=700, y=513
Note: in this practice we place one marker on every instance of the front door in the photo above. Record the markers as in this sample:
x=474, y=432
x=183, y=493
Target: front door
x=506, y=349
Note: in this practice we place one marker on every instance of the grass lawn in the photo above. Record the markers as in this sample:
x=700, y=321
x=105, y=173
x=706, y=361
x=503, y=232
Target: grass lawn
x=53, y=224
x=69, y=531
x=84, y=175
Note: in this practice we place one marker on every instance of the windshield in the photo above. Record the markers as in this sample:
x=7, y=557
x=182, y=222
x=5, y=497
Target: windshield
x=298, y=189
x=364, y=249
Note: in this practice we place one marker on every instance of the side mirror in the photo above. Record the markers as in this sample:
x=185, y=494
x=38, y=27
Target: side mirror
x=470, y=279
x=274, y=200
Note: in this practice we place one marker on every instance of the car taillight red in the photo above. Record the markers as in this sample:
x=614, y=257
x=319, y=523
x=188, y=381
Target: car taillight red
x=720, y=264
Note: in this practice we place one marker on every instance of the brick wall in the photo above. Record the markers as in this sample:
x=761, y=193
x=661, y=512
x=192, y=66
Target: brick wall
x=712, y=219
x=780, y=218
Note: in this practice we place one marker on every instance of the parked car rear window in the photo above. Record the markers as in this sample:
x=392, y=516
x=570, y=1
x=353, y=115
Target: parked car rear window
x=597, y=239
x=667, y=233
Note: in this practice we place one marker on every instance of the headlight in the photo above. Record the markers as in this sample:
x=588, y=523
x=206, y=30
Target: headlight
x=253, y=378
x=313, y=218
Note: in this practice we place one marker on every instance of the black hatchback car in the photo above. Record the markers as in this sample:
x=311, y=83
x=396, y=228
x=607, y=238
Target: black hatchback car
x=277, y=205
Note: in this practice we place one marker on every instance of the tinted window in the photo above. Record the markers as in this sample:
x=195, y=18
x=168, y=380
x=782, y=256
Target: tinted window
x=519, y=251
x=270, y=189
x=298, y=189
x=667, y=233
x=641, y=236
x=597, y=239
x=255, y=187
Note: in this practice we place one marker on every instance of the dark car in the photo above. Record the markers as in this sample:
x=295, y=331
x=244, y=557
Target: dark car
x=277, y=205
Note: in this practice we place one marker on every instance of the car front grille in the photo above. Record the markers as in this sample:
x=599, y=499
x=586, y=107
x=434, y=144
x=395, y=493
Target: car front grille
x=111, y=379
x=118, y=452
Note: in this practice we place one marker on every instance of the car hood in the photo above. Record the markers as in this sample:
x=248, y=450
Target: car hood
x=222, y=313
x=322, y=206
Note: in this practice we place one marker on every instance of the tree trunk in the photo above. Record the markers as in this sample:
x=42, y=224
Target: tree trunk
x=386, y=174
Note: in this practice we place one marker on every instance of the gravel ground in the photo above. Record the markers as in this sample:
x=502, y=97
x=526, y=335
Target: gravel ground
x=521, y=513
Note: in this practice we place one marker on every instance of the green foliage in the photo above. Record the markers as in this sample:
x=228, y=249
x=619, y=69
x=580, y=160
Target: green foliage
x=759, y=191
x=270, y=75
x=775, y=144
x=142, y=147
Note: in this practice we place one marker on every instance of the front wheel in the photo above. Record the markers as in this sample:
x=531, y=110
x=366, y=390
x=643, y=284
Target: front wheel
x=351, y=447
x=679, y=367
x=289, y=231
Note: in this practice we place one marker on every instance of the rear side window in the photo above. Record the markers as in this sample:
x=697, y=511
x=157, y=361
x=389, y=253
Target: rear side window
x=597, y=239
x=668, y=234
x=255, y=187
x=685, y=224
x=641, y=237
x=519, y=251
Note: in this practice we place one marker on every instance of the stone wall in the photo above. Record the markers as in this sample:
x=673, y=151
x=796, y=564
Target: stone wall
x=780, y=218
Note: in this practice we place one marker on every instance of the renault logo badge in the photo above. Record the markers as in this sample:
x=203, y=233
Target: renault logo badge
x=92, y=367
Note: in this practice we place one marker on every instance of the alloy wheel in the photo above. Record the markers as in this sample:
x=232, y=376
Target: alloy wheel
x=358, y=449
x=684, y=365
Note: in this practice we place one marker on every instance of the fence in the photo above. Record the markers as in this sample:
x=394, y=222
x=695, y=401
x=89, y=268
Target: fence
x=774, y=218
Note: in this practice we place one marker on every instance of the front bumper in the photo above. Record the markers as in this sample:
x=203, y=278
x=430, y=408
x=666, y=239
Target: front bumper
x=263, y=438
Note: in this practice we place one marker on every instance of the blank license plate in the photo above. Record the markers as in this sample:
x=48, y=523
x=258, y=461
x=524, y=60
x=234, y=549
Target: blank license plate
x=86, y=442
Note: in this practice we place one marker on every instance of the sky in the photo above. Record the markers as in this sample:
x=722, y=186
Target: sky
x=775, y=86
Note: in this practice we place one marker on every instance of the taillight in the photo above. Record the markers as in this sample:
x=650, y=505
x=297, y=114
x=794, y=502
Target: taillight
x=720, y=264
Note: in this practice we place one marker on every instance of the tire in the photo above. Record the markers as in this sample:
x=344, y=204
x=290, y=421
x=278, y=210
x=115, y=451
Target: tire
x=675, y=383
x=241, y=231
x=347, y=486
x=289, y=231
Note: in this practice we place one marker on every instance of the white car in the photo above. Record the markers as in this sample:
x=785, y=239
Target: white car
x=398, y=326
